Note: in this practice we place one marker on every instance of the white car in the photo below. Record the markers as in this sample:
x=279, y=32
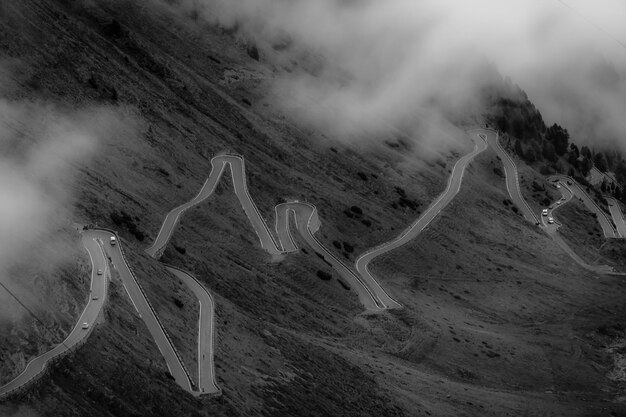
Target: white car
x=550, y=220
x=95, y=297
x=558, y=202
x=99, y=271
x=85, y=325
x=544, y=212
x=558, y=186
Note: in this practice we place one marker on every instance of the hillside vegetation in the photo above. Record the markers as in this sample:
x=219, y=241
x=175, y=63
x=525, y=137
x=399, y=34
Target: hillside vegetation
x=497, y=321
x=549, y=149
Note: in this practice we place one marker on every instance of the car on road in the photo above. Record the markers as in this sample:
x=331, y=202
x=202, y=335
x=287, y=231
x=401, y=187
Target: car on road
x=113, y=240
x=95, y=297
x=550, y=220
x=544, y=212
x=85, y=325
x=558, y=186
x=99, y=271
x=558, y=202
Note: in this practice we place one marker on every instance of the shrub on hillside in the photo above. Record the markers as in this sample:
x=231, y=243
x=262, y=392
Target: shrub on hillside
x=324, y=276
x=546, y=170
x=122, y=219
x=400, y=191
x=343, y=284
x=253, y=52
x=405, y=202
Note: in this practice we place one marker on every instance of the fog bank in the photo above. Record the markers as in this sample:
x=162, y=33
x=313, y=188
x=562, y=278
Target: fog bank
x=385, y=60
x=42, y=147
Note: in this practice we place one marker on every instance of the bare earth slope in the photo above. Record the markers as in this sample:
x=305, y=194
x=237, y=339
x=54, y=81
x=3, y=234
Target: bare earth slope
x=497, y=319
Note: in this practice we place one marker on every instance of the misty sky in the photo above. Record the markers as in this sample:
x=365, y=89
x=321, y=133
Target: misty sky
x=385, y=57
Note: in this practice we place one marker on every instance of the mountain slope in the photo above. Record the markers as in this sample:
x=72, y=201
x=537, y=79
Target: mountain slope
x=289, y=343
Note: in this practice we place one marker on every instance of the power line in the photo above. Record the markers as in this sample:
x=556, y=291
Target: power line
x=31, y=312
x=594, y=24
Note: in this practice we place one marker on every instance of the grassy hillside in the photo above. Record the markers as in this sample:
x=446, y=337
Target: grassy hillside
x=497, y=319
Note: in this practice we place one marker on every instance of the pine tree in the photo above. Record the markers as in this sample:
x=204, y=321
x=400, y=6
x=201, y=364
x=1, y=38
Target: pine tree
x=549, y=152
x=559, y=137
x=574, y=149
x=586, y=166
x=530, y=155
x=600, y=161
x=584, y=151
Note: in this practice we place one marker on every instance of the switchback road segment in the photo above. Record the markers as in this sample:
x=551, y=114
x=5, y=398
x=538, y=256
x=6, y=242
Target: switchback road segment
x=551, y=230
x=370, y=293
x=605, y=222
x=618, y=216
x=145, y=310
x=512, y=177
x=454, y=185
x=78, y=335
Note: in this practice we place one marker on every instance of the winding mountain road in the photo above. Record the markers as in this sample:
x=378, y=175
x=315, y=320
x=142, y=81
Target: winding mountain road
x=206, y=331
x=454, y=185
x=605, y=222
x=551, y=229
x=618, y=216
x=370, y=292
x=307, y=223
x=145, y=310
x=96, y=299
x=218, y=165
x=511, y=178
x=566, y=196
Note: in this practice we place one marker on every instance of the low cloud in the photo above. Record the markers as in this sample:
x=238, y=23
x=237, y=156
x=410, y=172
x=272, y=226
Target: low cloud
x=383, y=61
x=42, y=147
x=39, y=147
